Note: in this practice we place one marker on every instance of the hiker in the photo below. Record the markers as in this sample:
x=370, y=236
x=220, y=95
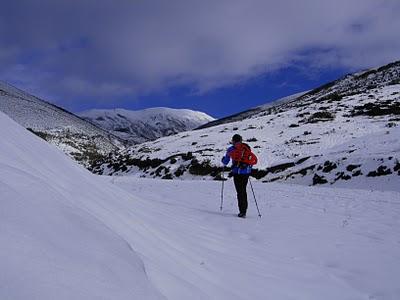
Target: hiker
x=242, y=161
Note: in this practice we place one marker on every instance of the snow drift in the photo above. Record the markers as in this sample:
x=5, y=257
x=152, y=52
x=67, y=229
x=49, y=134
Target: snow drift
x=52, y=245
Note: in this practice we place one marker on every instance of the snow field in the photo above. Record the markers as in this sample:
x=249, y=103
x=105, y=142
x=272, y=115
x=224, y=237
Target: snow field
x=53, y=243
x=311, y=243
x=65, y=233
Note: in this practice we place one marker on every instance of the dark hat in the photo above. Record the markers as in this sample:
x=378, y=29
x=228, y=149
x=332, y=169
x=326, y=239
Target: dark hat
x=236, y=138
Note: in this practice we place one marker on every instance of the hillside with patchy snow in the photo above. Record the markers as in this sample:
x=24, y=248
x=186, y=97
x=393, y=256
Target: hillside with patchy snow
x=78, y=138
x=145, y=125
x=68, y=234
x=343, y=133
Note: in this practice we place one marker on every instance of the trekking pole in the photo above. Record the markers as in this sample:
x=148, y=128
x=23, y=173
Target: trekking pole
x=222, y=188
x=255, y=200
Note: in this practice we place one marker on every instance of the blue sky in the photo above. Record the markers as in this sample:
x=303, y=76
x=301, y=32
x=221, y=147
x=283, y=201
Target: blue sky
x=220, y=57
x=232, y=99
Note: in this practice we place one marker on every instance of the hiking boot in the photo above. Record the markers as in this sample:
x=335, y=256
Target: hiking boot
x=242, y=215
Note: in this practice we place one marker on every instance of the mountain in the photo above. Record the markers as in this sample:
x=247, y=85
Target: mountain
x=146, y=125
x=78, y=138
x=352, y=83
x=345, y=132
x=68, y=234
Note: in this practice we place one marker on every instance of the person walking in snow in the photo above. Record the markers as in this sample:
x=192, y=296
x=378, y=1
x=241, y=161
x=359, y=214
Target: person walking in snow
x=242, y=161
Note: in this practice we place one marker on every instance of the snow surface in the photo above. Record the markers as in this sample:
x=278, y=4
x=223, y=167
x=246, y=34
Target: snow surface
x=68, y=234
x=54, y=243
x=148, y=124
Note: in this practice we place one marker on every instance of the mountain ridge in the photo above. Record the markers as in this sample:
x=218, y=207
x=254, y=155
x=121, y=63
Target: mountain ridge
x=78, y=138
x=81, y=138
x=139, y=126
x=295, y=139
x=303, y=95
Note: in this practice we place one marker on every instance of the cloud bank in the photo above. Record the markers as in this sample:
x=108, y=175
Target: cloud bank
x=108, y=49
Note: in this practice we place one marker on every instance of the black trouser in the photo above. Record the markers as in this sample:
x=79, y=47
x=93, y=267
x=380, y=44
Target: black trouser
x=241, y=185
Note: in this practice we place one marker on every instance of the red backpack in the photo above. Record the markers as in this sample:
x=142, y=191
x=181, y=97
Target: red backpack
x=242, y=154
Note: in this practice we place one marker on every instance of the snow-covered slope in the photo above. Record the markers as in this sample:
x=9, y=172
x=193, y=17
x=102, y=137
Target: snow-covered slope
x=53, y=243
x=345, y=133
x=78, y=138
x=148, y=124
x=68, y=234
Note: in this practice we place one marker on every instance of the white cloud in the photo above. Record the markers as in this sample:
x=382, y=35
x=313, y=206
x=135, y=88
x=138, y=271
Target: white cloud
x=141, y=46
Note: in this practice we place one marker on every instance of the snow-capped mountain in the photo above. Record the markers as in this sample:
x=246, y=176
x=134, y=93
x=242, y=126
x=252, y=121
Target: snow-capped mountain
x=345, y=131
x=146, y=125
x=78, y=138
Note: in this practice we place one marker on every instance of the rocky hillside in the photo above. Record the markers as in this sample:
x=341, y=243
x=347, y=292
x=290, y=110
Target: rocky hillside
x=345, y=131
x=78, y=138
x=146, y=125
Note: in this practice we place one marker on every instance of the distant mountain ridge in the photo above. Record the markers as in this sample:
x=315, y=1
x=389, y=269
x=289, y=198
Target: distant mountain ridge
x=344, y=131
x=96, y=133
x=145, y=125
x=349, y=84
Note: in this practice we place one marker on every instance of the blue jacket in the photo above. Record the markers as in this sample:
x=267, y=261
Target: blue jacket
x=237, y=168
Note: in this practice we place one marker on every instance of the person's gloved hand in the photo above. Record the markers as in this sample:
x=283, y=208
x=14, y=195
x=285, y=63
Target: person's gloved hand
x=225, y=160
x=230, y=174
